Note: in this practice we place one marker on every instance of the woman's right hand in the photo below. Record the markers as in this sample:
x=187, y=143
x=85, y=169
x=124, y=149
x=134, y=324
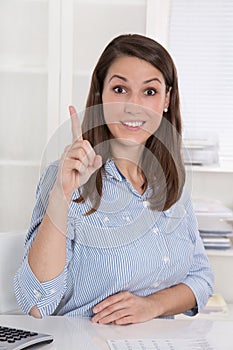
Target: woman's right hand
x=78, y=162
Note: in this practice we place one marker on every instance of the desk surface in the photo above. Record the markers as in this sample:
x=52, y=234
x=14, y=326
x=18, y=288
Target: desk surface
x=80, y=333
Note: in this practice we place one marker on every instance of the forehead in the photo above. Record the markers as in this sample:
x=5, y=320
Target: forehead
x=134, y=68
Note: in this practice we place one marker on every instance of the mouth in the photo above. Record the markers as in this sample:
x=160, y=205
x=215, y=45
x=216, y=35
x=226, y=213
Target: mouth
x=133, y=124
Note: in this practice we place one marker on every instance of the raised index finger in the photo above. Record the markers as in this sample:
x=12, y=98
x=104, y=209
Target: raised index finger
x=75, y=124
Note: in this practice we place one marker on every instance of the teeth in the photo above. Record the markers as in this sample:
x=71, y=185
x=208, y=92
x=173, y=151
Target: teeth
x=133, y=124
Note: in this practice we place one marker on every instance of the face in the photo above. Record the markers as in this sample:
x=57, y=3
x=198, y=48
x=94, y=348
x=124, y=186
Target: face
x=134, y=97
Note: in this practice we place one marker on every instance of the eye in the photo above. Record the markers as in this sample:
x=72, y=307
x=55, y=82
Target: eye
x=150, y=92
x=119, y=90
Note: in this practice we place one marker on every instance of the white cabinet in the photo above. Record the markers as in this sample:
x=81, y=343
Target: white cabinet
x=23, y=106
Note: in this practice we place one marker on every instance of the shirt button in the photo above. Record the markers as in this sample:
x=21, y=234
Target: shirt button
x=155, y=230
x=52, y=291
x=166, y=259
x=156, y=284
x=126, y=218
x=37, y=294
x=106, y=219
x=146, y=204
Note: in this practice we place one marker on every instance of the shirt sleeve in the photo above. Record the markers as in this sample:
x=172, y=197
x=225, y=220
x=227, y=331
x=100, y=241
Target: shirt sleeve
x=28, y=290
x=200, y=278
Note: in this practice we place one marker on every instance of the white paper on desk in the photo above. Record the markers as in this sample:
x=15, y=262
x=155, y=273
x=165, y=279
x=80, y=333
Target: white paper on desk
x=159, y=344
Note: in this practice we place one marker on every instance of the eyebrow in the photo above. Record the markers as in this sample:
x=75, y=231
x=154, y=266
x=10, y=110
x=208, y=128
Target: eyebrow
x=117, y=76
x=124, y=79
x=152, y=79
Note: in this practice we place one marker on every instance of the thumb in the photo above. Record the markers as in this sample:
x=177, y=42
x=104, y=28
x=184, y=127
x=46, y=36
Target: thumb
x=97, y=162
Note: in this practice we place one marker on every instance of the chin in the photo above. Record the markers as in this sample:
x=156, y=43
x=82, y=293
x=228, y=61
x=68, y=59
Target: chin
x=130, y=142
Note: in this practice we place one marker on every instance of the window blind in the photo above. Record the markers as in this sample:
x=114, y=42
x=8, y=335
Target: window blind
x=201, y=44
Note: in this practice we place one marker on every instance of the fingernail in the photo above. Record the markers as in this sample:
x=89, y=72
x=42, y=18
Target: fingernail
x=72, y=110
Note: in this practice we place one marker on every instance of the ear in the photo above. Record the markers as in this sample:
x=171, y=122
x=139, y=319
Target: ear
x=167, y=98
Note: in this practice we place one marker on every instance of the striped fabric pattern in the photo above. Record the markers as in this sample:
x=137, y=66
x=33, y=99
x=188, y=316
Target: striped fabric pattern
x=122, y=246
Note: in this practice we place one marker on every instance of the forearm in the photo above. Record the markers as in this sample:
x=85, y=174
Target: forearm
x=47, y=255
x=173, y=300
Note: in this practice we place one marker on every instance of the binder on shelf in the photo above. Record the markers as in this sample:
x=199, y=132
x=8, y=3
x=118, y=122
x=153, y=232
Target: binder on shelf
x=200, y=150
x=216, y=242
x=215, y=223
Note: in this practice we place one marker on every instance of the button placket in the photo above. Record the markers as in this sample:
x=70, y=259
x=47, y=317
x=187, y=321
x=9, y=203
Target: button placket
x=166, y=259
x=126, y=218
x=37, y=294
x=145, y=204
x=106, y=219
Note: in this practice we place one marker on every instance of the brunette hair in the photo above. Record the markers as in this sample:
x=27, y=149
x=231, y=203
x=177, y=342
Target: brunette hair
x=162, y=163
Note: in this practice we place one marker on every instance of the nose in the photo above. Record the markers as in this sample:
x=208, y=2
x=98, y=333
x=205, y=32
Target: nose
x=133, y=105
x=134, y=109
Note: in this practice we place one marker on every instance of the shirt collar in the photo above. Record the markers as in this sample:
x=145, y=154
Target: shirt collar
x=112, y=171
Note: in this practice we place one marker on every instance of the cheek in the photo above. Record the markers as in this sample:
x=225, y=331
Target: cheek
x=112, y=112
x=157, y=107
x=108, y=96
x=156, y=119
x=156, y=123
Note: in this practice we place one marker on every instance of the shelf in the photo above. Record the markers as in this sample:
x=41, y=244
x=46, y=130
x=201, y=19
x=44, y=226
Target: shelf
x=31, y=1
x=116, y=2
x=23, y=163
x=220, y=252
x=83, y=73
x=224, y=167
x=24, y=69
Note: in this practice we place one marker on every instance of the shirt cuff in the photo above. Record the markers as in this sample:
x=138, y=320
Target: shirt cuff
x=202, y=294
x=191, y=312
x=30, y=291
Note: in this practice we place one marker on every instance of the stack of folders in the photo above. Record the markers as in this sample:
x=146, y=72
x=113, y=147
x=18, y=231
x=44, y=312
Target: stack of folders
x=215, y=222
x=200, y=150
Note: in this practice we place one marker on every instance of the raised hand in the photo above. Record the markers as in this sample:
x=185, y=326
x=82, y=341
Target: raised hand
x=79, y=160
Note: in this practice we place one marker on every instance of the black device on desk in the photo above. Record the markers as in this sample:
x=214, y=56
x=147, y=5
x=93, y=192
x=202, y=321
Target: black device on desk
x=19, y=339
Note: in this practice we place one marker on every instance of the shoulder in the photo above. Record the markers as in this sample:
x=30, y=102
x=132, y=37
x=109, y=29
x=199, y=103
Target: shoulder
x=50, y=170
x=182, y=210
x=181, y=206
x=48, y=177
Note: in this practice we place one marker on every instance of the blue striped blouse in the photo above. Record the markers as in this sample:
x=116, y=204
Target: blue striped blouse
x=122, y=246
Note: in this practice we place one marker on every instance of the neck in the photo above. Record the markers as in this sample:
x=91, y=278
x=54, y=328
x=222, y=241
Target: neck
x=127, y=159
x=129, y=156
x=132, y=172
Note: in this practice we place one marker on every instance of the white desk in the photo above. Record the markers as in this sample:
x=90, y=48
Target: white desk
x=80, y=333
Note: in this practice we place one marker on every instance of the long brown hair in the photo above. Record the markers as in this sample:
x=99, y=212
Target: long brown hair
x=162, y=163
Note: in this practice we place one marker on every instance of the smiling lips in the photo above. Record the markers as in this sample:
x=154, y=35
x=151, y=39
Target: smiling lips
x=133, y=124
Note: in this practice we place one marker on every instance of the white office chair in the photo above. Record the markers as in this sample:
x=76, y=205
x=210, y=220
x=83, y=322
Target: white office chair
x=11, y=252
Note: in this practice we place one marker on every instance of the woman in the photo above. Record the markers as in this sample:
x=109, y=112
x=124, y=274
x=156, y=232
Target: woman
x=113, y=234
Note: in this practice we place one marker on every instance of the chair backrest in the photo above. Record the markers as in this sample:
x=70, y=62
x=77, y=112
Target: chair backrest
x=11, y=253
